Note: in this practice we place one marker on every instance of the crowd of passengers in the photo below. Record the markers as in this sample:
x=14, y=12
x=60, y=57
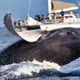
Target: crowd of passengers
x=23, y=23
x=20, y=23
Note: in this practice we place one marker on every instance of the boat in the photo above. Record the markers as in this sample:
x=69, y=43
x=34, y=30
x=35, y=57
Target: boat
x=60, y=15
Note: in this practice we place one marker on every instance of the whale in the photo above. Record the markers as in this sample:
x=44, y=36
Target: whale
x=60, y=46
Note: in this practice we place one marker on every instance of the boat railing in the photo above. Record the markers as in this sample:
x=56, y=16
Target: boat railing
x=58, y=21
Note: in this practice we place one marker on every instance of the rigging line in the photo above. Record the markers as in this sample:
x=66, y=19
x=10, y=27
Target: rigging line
x=43, y=6
x=78, y=3
x=29, y=7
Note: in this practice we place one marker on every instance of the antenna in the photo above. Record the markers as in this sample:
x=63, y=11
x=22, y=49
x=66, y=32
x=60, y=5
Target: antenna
x=29, y=7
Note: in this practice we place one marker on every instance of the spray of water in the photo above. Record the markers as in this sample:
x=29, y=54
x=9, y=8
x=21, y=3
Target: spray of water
x=26, y=68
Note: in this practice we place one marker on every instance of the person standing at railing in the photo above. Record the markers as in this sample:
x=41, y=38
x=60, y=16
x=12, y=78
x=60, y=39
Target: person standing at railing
x=23, y=23
x=53, y=15
x=19, y=25
x=62, y=16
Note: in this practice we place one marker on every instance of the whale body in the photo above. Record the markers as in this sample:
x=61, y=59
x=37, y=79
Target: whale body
x=59, y=46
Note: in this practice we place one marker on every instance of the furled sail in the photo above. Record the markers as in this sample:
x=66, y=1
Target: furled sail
x=59, y=6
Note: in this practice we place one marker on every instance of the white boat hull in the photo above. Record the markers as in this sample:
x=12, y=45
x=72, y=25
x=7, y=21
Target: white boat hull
x=49, y=27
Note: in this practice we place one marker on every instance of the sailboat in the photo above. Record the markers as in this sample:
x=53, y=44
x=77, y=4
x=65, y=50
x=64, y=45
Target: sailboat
x=60, y=15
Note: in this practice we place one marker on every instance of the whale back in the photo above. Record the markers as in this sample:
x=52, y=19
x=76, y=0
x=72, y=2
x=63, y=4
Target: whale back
x=59, y=46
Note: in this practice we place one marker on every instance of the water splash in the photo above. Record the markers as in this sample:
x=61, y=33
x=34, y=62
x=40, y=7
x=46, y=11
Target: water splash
x=26, y=68
x=17, y=70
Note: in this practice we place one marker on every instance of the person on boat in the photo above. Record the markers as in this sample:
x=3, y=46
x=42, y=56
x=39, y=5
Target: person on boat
x=19, y=25
x=39, y=18
x=53, y=15
x=47, y=18
x=62, y=16
x=23, y=23
x=16, y=24
x=42, y=17
x=36, y=17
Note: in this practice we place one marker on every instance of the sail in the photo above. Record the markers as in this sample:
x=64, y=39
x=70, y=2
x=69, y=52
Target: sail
x=59, y=6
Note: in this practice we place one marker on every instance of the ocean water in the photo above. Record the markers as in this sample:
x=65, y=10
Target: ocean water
x=7, y=38
x=35, y=70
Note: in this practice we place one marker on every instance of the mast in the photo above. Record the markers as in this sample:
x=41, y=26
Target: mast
x=49, y=6
x=78, y=3
x=79, y=8
x=29, y=7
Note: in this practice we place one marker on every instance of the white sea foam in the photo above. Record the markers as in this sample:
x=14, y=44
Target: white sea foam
x=26, y=68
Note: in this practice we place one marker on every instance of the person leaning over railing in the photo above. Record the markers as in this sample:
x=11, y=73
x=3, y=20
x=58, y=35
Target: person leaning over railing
x=53, y=15
x=16, y=24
